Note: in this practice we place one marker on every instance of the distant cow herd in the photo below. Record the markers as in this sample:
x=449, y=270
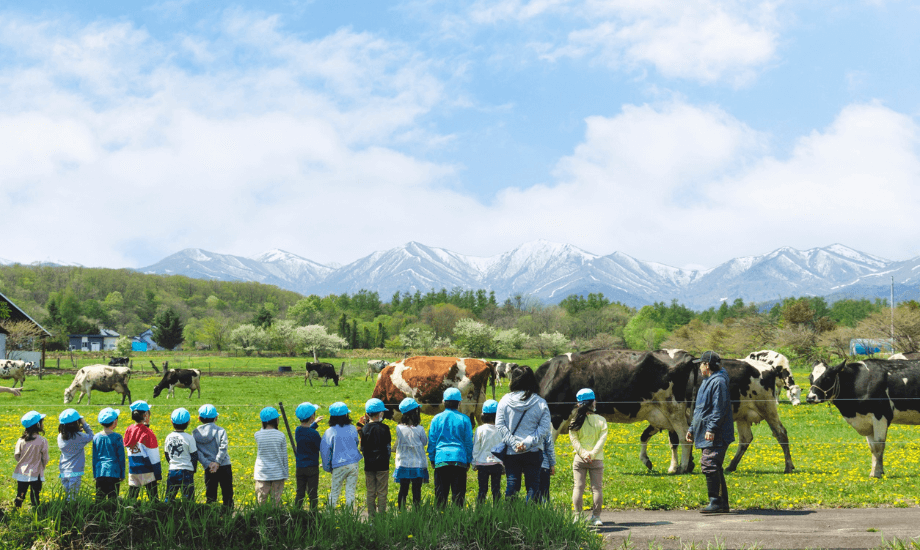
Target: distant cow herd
x=658, y=388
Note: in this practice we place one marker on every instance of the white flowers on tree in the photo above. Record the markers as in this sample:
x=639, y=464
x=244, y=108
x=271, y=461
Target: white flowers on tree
x=249, y=338
x=314, y=338
x=475, y=338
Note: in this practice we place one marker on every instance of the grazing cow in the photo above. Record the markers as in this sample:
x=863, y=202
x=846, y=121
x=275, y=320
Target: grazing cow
x=871, y=395
x=630, y=387
x=780, y=365
x=374, y=366
x=502, y=370
x=100, y=378
x=184, y=379
x=426, y=378
x=322, y=370
x=118, y=361
x=752, y=386
x=913, y=355
x=15, y=369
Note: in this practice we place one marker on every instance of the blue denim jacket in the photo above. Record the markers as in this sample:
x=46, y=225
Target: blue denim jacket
x=713, y=413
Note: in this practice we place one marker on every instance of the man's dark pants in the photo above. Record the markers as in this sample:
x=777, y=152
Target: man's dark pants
x=711, y=466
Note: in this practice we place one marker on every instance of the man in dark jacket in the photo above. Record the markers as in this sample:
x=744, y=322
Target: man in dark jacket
x=713, y=429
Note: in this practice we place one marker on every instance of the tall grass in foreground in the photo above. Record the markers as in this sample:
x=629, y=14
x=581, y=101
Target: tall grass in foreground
x=83, y=523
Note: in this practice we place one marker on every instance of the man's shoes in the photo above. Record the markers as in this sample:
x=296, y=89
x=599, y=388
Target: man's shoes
x=714, y=507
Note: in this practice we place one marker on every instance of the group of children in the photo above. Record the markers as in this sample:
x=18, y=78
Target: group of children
x=452, y=448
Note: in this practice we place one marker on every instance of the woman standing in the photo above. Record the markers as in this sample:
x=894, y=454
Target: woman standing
x=588, y=433
x=524, y=422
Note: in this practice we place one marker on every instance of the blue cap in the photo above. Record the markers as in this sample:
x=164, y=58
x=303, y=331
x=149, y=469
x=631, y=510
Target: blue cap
x=584, y=394
x=305, y=411
x=490, y=406
x=338, y=409
x=31, y=418
x=268, y=414
x=452, y=394
x=207, y=411
x=407, y=405
x=68, y=416
x=140, y=406
x=374, y=406
x=180, y=416
x=108, y=415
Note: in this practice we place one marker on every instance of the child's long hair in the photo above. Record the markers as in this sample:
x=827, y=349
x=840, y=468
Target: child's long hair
x=411, y=418
x=70, y=430
x=32, y=431
x=341, y=420
x=584, y=409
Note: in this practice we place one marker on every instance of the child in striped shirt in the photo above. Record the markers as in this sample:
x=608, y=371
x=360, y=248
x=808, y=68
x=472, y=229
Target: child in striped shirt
x=144, y=469
x=271, y=468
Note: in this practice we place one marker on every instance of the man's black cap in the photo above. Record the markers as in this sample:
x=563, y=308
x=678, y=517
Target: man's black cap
x=709, y=357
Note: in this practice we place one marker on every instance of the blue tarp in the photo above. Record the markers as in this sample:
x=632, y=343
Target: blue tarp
x=867, y=346
x=138, y=346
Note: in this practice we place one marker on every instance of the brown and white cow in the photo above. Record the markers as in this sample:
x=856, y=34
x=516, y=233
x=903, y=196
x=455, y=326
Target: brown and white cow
x=100, y=378
x=15, y=369
x=425, y=379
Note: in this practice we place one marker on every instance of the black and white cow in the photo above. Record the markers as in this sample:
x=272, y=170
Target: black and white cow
x=502, y=370
x=630, y=387
x=374, y=366
x=752, y=386
x=15, y=369
x=322, y=370
x=780, y=366
x=184, y=379
x=118, y=361
x=871, y=395
x=100, y=378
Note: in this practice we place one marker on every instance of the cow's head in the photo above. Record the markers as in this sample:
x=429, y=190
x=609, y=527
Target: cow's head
x=795, y=394
x=825, y=382
x=68, y=395
x=157, y=390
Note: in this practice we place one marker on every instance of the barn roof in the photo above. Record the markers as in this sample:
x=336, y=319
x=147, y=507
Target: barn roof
x=17, y=314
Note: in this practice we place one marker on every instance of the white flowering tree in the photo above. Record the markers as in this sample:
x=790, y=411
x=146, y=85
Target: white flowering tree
x=249, y=338
x=314, y=338
x=475, y=338
x=551, y=343
x=510, y=340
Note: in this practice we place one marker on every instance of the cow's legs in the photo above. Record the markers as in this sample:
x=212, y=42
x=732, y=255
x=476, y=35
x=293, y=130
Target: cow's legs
x=745, y=436
x=677, y=419
x=877, y=446
x=647, y=434
x=779, y=432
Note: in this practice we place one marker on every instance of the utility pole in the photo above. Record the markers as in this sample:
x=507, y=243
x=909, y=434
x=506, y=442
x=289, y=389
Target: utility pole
x=892, y=311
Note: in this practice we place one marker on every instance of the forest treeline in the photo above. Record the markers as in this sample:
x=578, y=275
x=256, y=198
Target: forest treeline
x=220, y=315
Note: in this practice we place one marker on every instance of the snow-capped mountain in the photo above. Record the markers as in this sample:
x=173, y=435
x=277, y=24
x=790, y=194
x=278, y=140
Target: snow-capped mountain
x=551, y=271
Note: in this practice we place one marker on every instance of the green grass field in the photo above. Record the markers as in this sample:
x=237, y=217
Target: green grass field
x=832, y=460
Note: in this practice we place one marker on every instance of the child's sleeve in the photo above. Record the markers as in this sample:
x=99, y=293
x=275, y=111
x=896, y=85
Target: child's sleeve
x=17, y=451
x=122, y=459
x=326, y=452
x=223, y=442
x=45, y=458
x=598, y=451
x=95, y=457
x=477, y=442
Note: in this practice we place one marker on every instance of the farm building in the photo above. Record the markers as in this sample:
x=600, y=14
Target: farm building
x=105, y=340
x=14, y=346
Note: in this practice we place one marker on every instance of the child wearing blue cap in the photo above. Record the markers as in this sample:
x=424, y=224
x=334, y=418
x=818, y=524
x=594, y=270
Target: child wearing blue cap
x=212, y=442
x=108, y=455
x=144, y=469
x=450, y=449
x=307, y=452
x=271, y=468
x=340, y=454
x=488, y=467
x=31, y=456
x=588, y=434
x=411, y=463
x=74, y=434
x=181, y=453
x=375, y=446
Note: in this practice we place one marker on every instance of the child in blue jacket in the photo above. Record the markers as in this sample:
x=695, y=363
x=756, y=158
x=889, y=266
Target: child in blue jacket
x=108, y=455
x=450, y=449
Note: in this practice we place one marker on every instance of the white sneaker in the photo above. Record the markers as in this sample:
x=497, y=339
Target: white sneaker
x=596, y=521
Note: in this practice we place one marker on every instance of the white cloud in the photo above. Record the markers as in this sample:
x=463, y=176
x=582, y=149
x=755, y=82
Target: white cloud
x=700, y=40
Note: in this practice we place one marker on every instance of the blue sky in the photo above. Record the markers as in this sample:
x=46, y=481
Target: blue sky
x=686, y=132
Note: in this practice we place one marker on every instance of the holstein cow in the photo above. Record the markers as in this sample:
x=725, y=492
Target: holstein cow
x=630, y=387
x=426, y=378
x=322, y=370
x=871, y=395
x=780, y=365
x=184, y=379
x=118, y=361
x=15, y=369
x=502, y=370
x=374, y=366
x=913, y=355
x=752, y=386
x=100, y=378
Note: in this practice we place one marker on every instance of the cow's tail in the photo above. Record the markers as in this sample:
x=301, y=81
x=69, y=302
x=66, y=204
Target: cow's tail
x=493, y=380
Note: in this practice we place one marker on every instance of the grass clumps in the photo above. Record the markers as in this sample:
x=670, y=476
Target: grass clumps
x=83, y=523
